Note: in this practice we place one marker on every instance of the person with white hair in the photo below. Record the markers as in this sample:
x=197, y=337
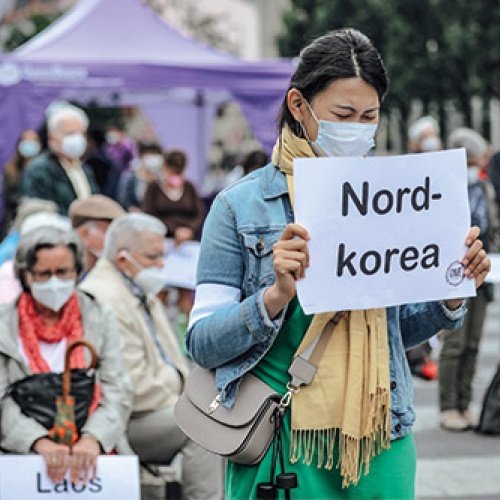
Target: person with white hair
x=60, y=175
x=458, y=355
x=424, y=136
x=10, y=287
x=127, y=277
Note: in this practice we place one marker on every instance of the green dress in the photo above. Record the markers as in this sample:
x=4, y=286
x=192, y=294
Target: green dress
x=392, y=473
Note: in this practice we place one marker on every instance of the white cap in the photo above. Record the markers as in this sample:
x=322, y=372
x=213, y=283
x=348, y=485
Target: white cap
x=421, y=125
x=40, y=219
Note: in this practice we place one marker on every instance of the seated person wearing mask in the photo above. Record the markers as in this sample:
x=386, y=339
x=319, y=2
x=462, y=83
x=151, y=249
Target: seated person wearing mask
x=134, y=182
x=60, y=175
x=10, y=288
x=28, y=146
x=91, y=218
x=34, y=333
x=130, y=268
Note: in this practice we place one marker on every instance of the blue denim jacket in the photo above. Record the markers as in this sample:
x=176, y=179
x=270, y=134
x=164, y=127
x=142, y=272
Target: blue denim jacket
x=244, y=222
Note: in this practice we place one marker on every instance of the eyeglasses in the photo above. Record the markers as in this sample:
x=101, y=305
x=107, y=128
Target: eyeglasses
x=62, y=273
x=152, y=256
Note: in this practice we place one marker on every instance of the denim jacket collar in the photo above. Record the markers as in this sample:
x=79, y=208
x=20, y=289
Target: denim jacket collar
x=273, y=183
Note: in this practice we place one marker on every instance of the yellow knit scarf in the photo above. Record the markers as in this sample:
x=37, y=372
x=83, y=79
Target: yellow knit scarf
x=348, y=403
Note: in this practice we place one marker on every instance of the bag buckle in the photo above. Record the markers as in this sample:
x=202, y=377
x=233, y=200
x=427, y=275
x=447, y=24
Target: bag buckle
x=214, y=404
x=287, y=397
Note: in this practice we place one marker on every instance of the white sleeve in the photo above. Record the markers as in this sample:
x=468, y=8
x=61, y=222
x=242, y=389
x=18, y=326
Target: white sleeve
x=209, y=298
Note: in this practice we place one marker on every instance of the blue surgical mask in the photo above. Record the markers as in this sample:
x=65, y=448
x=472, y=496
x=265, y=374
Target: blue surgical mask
x=342, y=138
x=28, y=148
x=74, y=145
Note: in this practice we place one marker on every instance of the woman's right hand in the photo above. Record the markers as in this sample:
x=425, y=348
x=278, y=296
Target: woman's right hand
x=291, y=258
x=56, y=458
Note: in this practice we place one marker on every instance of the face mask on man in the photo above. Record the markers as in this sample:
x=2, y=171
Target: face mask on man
x=112, y=137
x=28, y=148
x=152, y=163
x=74, y=145
x=430, y=144
x=53, y=293
x=342, y=138
x=472, y=175
x=94, y=241
x=150, y=279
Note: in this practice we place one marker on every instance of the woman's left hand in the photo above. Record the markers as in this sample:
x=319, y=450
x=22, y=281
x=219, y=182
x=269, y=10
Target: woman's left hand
x=476, y=261
x=84, y=459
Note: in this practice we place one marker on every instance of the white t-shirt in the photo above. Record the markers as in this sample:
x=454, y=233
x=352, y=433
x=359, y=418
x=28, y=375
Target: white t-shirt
x=52, y=352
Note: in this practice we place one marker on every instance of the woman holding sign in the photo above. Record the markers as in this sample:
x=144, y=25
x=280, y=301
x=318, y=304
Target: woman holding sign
x=348, y=434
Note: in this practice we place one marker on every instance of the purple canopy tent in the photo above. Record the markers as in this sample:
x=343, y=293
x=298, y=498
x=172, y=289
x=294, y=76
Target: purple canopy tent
x=119, y=51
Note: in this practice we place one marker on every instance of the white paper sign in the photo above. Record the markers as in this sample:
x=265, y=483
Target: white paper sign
x=181, y=263
x=494, y=275
x=23, y=477
x=384, y=230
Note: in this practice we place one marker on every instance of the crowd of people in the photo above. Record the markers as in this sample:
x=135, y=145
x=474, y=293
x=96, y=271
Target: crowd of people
x=456, y=363
x=83, y=246
x=94, y=208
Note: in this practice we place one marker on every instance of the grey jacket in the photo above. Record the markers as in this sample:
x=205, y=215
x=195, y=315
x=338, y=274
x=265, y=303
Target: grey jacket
x=108, y=423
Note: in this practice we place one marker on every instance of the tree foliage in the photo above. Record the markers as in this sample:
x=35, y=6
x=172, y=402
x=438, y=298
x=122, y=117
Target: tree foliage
x=434, y=50
x=22, y=33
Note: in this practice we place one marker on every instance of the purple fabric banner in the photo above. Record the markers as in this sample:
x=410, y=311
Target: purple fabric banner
x=89, y=52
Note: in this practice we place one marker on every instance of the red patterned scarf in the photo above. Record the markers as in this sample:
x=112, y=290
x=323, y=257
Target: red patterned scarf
x=32, y=330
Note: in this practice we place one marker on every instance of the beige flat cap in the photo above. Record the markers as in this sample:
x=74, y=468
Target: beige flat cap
x=95, y=207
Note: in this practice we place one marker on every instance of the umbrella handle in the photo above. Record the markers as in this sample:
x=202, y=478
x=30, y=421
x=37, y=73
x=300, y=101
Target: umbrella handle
x=66, y=384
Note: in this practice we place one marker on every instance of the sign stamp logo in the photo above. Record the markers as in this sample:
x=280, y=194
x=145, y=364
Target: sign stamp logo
x=455, y=273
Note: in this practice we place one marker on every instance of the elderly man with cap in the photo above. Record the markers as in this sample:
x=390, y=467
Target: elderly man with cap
x=90, y=218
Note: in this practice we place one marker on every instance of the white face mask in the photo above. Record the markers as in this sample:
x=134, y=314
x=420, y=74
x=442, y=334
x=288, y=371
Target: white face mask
x=74, y=145
x=93, y=251
x=342, y=138
x=112, y=138
x=472, y=175
x=53, y=293
x=153, y=163
x=430, y=144
x=150, y=279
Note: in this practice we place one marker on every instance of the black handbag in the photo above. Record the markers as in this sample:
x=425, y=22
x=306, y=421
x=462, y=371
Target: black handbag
x=36, y=394
x=489, y=422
